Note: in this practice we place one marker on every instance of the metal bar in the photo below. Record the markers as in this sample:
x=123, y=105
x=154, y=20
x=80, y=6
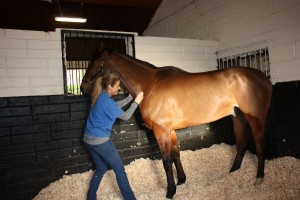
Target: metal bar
x=250, y=62
x=260, y=61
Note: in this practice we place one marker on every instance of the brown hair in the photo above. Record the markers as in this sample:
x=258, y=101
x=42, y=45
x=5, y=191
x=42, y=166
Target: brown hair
x=102, y=83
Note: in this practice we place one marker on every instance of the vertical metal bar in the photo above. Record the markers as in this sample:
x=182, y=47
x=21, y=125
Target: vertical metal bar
x=255, y=60
x=76, y=75
x=133, y=46
x=250, y=62
x=266, y=63
x=227, y=62
x=260, y=61
x=126, y=45
x=221, y=64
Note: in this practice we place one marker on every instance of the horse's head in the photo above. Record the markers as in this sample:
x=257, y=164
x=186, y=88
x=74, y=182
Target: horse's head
x=93, y=72
x=107, y=60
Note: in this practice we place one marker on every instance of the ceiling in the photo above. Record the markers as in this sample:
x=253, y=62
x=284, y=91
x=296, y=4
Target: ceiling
x=111, y=15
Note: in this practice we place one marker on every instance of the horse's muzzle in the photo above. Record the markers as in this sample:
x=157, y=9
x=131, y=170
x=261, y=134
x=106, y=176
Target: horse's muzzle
x=85, y=90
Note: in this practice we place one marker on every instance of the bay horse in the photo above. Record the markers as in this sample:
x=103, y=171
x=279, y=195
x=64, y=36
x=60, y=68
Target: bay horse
x=176, y=99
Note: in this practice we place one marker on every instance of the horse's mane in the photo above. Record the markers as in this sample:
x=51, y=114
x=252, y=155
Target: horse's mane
x=97, y=53
x=132, y=59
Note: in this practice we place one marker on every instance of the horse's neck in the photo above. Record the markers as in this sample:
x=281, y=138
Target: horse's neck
x=133, y=74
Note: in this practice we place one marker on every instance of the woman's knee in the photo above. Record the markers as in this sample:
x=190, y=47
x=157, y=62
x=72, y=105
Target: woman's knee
x=101, y=169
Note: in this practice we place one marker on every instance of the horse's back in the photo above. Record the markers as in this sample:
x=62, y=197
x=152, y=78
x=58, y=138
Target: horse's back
x=195, y=98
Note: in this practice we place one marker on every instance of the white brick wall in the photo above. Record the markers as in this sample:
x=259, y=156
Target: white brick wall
x=237, y=23
x=187, y=54
x=31, y=61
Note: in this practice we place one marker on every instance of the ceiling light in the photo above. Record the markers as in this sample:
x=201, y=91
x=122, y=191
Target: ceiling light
x=70, y=19
x=62, y=18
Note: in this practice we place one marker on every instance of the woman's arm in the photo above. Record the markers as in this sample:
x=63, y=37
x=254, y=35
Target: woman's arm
x=129, y=112
x=125, y=101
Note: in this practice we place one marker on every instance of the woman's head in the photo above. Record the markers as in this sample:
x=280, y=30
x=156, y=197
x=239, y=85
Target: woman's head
x=110, y=82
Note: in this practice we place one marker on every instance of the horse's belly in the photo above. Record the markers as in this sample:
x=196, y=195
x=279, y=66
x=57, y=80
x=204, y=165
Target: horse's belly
x=199, y=117
x=176, y=116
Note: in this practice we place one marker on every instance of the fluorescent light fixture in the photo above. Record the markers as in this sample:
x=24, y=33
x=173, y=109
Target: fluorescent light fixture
x=70, y=19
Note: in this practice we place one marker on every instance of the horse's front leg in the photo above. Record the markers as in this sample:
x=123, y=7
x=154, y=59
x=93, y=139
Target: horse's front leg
x=163, y=138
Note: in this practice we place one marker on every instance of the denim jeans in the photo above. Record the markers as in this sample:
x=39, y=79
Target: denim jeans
x=103, y=155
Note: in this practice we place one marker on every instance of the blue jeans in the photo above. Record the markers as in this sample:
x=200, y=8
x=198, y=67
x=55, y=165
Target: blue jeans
x=103, y=155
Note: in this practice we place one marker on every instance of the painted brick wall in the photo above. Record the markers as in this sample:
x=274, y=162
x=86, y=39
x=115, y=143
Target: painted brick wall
x=187, y=54
x=236, y=23
x=30, y=63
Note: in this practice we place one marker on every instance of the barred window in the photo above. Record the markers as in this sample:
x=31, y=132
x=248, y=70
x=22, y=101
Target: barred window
x=77, y=50
x=252, y=56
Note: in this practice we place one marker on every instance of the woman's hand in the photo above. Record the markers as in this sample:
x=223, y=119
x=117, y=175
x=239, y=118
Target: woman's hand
x=139, y=98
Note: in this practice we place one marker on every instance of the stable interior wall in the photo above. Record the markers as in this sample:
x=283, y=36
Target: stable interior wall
x=237, y=23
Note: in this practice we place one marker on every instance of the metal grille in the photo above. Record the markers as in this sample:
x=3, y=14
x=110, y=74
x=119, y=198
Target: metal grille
x=77, y=50
x=250, y=56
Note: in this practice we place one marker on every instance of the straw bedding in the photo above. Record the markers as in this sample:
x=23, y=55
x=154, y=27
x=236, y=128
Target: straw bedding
x=208, y=177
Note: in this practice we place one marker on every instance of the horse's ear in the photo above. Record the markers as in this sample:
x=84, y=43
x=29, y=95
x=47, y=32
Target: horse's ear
x=97, y=52
x=100, y=47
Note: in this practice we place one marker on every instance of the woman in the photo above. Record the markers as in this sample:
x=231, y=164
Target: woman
x=103, y=114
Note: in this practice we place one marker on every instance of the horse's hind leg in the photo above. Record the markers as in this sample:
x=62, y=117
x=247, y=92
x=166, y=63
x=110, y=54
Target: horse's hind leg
x=257, y=127
x=239, y=127
x=176, y=158
x=164, y=141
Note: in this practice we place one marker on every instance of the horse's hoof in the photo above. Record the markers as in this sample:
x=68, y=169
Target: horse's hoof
x=258, y=181
x=181, y=181
x=234, y=168
x=170, y=194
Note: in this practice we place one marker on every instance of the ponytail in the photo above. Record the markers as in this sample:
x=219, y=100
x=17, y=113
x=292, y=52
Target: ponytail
x=97, y=90
x=102, y=83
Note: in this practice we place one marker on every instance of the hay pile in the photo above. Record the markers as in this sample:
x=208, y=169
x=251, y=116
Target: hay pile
x=208, y=177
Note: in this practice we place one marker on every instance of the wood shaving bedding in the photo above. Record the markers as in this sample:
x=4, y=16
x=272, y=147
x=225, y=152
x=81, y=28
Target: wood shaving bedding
x=208, y=177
